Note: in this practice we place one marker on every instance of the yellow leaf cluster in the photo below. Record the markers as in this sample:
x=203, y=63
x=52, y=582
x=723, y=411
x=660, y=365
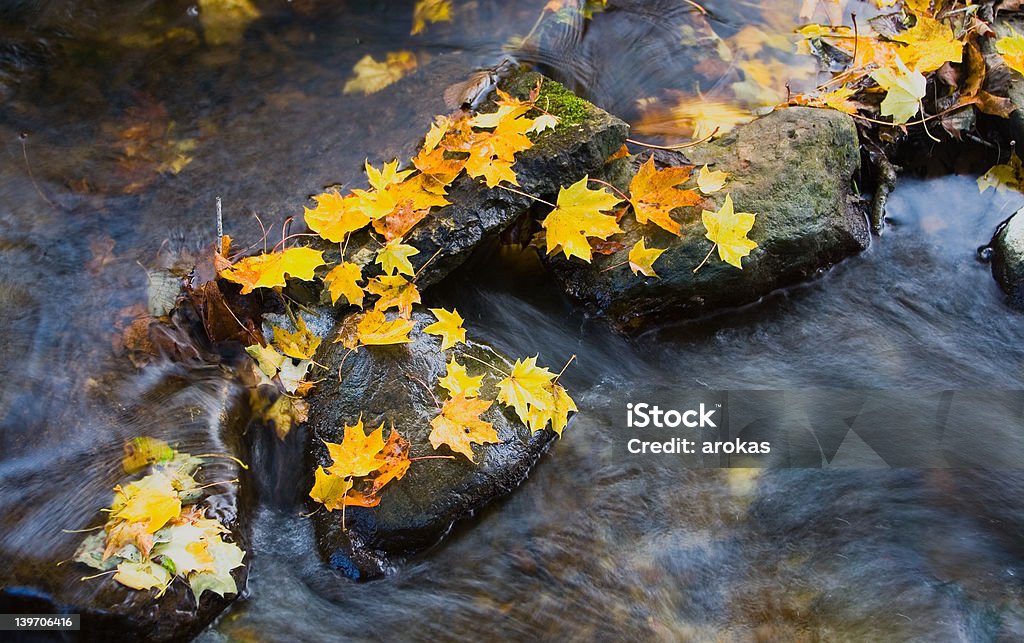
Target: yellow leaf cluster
x=360, y=460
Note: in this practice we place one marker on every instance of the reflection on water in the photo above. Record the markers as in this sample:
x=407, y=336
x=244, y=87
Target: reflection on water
x=94, y=193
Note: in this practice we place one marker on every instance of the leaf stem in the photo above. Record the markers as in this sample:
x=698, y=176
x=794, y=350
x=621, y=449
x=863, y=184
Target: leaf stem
x=706, y=257
x=571, y=360
x=680, y=146
x=529, y=196
x=225, y=456
x=491, y=366
x=621, y=194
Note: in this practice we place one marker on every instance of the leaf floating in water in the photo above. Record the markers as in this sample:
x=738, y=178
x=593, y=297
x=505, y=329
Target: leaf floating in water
x=225, y=21
x=430, y=11
x=372, y=75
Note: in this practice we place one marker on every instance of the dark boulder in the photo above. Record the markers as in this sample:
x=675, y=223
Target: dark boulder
x=1008, y=259
x=793, y=168
x=388, y=384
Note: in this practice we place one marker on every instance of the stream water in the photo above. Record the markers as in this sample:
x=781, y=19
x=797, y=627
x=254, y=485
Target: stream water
x=98, y=110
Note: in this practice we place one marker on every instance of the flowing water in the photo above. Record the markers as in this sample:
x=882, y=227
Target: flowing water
x=101, y=111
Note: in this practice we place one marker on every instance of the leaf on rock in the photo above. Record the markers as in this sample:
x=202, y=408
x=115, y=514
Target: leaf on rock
x=458, y=382
x=728, y=230
x=152, y=500
x=330, y=490
x=1004, y=177
x=357, y=453
x=393, y=258
x=527, y=386
x=654, y=195
x=374, y=329
x=459, y=425
x=1011, y=48
x=269, y=270
x=577, y=215
x=395, y=291
x=301, y=344
x=930, y=44
x=142, y=575
x=557, y=414
x=642, y=258
x=709, y=181
x=226, y=556
x=336, y=216
x=448, y=326
x=343, y=281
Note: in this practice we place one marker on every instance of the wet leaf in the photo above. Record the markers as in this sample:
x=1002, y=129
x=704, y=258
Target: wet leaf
x=142, y=575
x=448, y=326
x=526, y=386
x=459, y=425
x=301, y=344
x=728, y=230
x=654, y=195
x=269, y=270
x=371, y=76
x=356, y=455
x=430, y=11
x=335, y=216
x=375, y=330
x=642, y=258
x=557, y=414
x=393, y=258
x=395, y=291
x=225, y=21
x=343, y=281
x=904, y=91
x=1004, y=177
x=141, y=452
x=709, y=181
x=577, y=215
x=458, y=382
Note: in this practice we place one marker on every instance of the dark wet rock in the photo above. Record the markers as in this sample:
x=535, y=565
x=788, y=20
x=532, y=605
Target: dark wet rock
x=1008, y=259
x=200, y=416
x=1001, y=80
x=386, y=384
x=578, y=146
x=794, y=169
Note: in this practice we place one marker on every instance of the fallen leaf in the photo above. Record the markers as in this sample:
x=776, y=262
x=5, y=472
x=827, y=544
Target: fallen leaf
x=1004, y=177
x=301, y=344
x=458, y=382
x=459, y=425
x=577, y=215
x=904, y=91
x=343, y=281
x=654, y=195
x=430, y=11
x=642, y=258
x=709, y=181
x=335, y=216
x=375, y=330
x=141, y=452
x=395, y=291
x=269, y=270
x=372, y=76
x=448, y=326
x=356, y=455
x=728, y=230
x=142, y=575
x=526, y=386
x=557, y=414
x=393, y=258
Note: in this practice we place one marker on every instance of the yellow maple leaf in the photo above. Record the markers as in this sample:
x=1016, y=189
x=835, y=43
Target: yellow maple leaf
x=387, y=176
x=930, y=44
x=1004, y=177
x=654, y=195
x=152, y=500
x=577, y=215
x=330, y=490
x=225, y=21
x=1011, y=48
x=557, y=414
x=448, y=326
x=492, y=154
x=142, y=575
x=728, y=230
x=374, y=329
x=430, y=11
x=394, y=291
x=458, y=382
x=343, y=281
x=526, y=386
x=904, y=91
x=393, y=258
x=269, y=270
x=372, y=76
x=709, y=181
x=642, y=258
x=301, y=344
x=459, y=425
x=356, y=455
x=335, y=216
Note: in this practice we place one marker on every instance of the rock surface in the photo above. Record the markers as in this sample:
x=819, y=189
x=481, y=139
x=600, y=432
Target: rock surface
x=794, y=169
x=386, y=384
x=1008, y=259
x=203, y=417
x=587, y=136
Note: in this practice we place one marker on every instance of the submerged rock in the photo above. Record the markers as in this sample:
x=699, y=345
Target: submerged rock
x=388, y=384
x=793, y=168
x=1008, y=259
x=201, y=417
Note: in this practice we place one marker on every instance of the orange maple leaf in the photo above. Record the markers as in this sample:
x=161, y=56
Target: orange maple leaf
x=459, y=425
x=269, y=270
x=654, y=195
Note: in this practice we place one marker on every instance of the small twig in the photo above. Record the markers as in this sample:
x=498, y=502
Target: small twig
x=214, y=484
x=680, y=146
x=81, y=531
x=220, y=224
x=28, y=166
x=432, y=457
x=621, y=194
x=426, y=388
x=491, y=366
x=696, y=6
x=225, y=456
x=706, y=257
x=529, y=196
x=617, y=265
x=425, y=263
